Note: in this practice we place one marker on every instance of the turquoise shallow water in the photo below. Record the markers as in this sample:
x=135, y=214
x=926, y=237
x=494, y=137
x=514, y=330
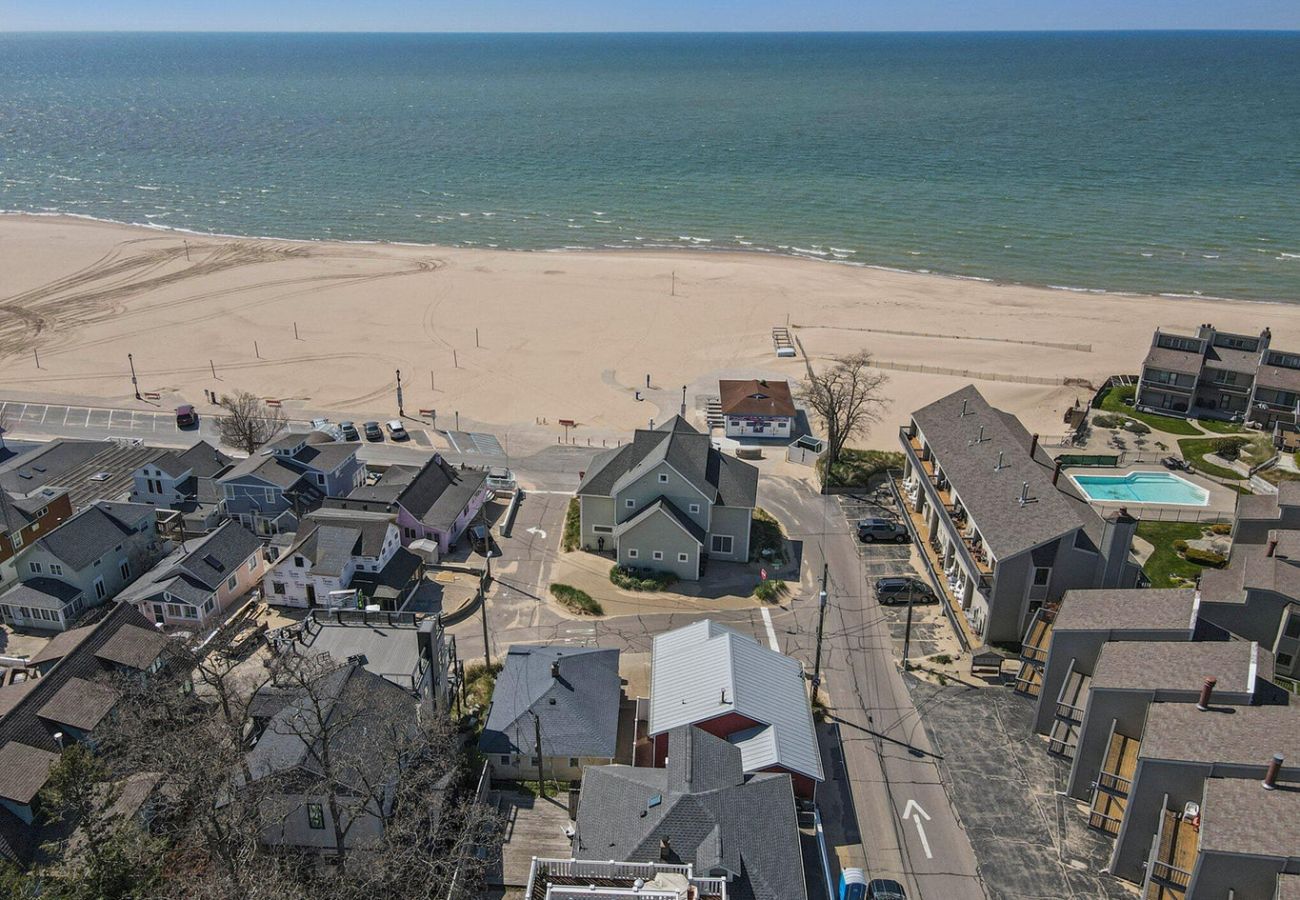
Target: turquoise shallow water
x=1142, y=162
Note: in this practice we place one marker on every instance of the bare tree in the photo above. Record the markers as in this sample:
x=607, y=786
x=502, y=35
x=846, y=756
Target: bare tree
x=848, y=398
x=249, y=422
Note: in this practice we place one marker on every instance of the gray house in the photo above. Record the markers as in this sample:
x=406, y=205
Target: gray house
x=1169, y=812
x=1010, y=533
x=1257, y=597
x=668, y=500
x=270, y=490
x=1090, y=620
x=87, y=560
x=569, y=696
x=1132, y=675
x=185, y=482
x=1258, y=514
x=699, y=811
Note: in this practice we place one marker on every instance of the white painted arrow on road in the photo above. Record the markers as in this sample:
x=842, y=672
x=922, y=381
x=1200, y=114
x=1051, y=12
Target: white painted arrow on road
x=916, y=813
x=537, y=531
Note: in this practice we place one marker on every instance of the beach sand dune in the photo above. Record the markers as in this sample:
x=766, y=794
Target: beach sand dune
x=511, y=338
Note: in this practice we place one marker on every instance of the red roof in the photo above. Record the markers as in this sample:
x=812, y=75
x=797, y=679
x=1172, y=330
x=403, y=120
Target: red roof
x=756, y=397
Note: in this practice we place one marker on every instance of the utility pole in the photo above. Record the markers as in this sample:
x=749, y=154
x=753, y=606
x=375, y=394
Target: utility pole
x=484, y=583
x=674, y=282
x=821, y=624
x=537, y=734
x=400, y=411
x=907, y=633
x=134, y=383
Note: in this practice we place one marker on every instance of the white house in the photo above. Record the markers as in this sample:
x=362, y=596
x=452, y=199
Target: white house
x=757, y=408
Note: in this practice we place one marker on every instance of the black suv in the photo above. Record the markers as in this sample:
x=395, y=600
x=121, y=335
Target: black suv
x=892, y=591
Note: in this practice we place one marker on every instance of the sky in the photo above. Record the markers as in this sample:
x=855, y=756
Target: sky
x=643, y=15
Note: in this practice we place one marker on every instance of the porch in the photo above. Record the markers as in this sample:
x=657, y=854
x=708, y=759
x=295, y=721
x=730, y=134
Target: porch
x=1033, y=653
x=1110, y=798
x=1175, y=847
x=1070, y=706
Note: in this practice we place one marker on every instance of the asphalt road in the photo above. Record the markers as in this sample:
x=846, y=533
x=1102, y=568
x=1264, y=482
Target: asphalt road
x=909, y=828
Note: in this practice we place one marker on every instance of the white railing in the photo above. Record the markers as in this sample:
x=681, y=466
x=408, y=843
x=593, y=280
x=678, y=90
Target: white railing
x=543, y=868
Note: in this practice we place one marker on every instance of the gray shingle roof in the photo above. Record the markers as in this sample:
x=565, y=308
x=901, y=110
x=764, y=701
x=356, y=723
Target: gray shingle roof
x=134, y=644
x=92, y=532
x=271, y=469
x=1238, y=816
x=79, y=704
x=197, y=568
x=42, y=593
x=1238, y=735
x=578, y=710
x=48, y=463
x=721, y=479
x=202, y=460
x=1178, y=666
x=1251, y=568
x=705, y=670
x=992, y=495
x=371, y=527
x=436, y=495
x=1184, y=362
x=1117, y=609
x=721, y=821
x=23, y=770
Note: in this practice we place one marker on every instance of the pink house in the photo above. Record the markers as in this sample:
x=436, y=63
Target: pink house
x=436, y=501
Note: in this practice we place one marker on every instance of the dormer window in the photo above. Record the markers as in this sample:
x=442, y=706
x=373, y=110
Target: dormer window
x=663, y=478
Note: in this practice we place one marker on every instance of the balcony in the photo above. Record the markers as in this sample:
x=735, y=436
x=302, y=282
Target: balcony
x=1029, y=680
x=561, y=879
x=1033, y=653
x=1073, y=699
x=1170, y=870
x=1114, y=783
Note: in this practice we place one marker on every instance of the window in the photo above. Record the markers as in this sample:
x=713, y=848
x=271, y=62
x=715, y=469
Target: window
x=299, y=562
x=232, y=581
x=100, y=590
x=1041, y=575
x=721, y=543
x=683, y=557
x=694, y=508
x=320, y=479
x=277, y=587
x=632, y=553
x=35, y=567
x=315, y=816
x=56, y=569
x=602, y=529
x=663, y=478
x=125, y=568
x=505, y=760
x=629, y=502
x=207, y=607
x=573, y=762
x=1293, y=627
x=658, y=554
x=534, y=761
x=1284, y=661
x=252, y=562
x=17, y=539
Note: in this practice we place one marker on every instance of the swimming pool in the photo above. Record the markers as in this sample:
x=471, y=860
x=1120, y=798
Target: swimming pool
x=1143, y=487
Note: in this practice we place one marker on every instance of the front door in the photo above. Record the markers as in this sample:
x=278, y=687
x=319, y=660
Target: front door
x=311, y=595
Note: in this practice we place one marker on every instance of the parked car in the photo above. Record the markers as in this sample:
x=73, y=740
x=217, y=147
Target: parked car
x=479, y=539
x=870, y=530
x=325, y=426
x=1176, y=463
x=396, y=430
x=901, y=589
x=372, y=431
x=186, y=416
x=499, y=478
x=885, y=889
x=349, y=431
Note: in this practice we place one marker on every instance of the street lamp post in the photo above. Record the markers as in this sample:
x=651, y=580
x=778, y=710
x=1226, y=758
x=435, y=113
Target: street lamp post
x=821, y=624
x=134, y=382
x=400, y=411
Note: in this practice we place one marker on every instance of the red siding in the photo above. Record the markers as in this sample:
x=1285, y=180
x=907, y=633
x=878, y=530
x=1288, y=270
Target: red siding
x=721, y=726
x=804, y=787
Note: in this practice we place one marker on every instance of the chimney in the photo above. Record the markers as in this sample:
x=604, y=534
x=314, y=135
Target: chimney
x=665, y=849
x=1272, y=547
x=1033, y=445
x=1207, y=691
x=1270, y=777
x=1056, y=473
x=555, y=670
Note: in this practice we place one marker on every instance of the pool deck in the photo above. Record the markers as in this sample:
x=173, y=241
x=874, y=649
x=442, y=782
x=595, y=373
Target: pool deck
x=1221, y=505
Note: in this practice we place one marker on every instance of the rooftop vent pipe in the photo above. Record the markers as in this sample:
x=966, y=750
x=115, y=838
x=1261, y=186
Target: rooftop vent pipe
x=1270, y=777
x=1207, y=690
x=998, y=467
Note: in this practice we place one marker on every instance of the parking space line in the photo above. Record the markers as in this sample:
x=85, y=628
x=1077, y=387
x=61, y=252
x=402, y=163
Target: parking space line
x=452, y=437
x=44, y=414
x=23, y=413
x=87, y=425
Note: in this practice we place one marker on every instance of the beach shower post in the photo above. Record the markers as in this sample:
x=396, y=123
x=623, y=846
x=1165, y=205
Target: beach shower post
x=134, y=383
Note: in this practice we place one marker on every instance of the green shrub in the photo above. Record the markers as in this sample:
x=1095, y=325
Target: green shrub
x=1104, y=420
x=480, y=680
x=1221, y=528
x=641, y=579
x=1204, y=557
x=941, y=659
x=856, y=468
x=1180, y=546
x=1136, y=427
x=572, y=527
x=771, y=591
x=1230, y=447
x=577, y=600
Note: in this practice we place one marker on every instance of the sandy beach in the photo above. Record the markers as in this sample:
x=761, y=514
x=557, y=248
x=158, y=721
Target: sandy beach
x=512, y=340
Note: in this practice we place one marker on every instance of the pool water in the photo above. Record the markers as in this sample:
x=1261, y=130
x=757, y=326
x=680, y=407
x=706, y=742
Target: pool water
x=1143, y=487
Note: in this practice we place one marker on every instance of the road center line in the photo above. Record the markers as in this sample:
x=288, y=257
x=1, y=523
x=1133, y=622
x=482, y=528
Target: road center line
x=771, y=632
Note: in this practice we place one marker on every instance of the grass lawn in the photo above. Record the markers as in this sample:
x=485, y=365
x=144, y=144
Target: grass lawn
x=765, y=534
x=1194, y=450
x=577, y=600
x=1113, y=402
x=1165, y=565
x=572, y=526
x=1219, y=427
x=856, y=468
x=479, y=681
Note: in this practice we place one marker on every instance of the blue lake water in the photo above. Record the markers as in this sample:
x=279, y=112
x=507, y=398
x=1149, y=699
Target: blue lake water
x=1155, y=162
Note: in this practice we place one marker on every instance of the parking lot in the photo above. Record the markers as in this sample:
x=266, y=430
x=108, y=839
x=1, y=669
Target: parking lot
x=882, y=560
x=38, y=416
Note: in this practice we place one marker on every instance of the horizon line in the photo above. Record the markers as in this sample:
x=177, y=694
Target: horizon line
x=1154, y=29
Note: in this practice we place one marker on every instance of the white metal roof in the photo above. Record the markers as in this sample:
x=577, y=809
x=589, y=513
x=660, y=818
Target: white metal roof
x=706, y=670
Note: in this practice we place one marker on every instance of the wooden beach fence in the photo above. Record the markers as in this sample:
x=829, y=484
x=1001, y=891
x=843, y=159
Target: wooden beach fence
x=152, y=395
x=274, y=404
